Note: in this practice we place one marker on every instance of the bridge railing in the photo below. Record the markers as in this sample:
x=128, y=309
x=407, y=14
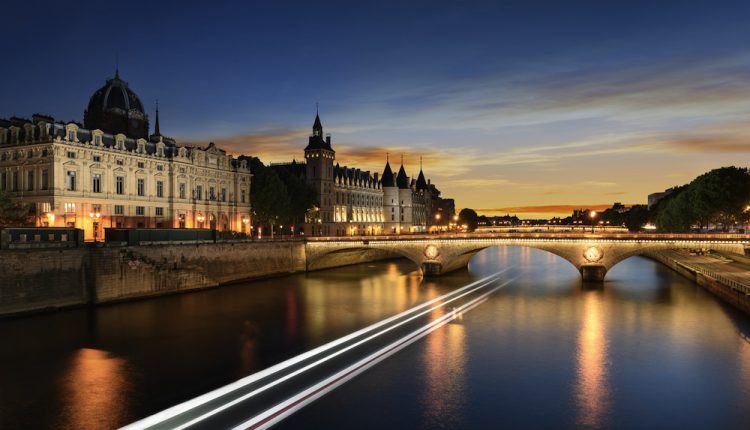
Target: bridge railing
x=699, y=237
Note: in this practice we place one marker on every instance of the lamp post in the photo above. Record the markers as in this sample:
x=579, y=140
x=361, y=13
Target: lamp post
x=200, y=218
x=95, y=221
x=51, y=219
x=592, y=215
x=245, y=221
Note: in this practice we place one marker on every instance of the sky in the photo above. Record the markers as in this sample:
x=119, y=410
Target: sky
x=524, y=107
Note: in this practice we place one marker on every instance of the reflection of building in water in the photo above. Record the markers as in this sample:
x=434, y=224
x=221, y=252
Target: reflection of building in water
x=97, y=390
x=592, y=390
x=444, y=365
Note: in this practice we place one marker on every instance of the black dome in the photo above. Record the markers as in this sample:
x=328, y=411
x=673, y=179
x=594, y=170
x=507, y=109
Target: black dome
x=115, y=94
x=115, y=108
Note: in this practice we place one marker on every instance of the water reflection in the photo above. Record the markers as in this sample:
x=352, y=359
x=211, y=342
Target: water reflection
x=444, y=363
x=592, y=389
x=96, y=390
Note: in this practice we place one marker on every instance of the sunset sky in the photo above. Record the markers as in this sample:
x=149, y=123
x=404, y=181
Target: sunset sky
x=526, y=107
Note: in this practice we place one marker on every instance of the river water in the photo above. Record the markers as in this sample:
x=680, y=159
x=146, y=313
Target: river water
x=648, y=349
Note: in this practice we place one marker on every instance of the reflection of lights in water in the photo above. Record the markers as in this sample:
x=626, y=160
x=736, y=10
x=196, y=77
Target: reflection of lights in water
x=444, y=365
x=744, y=379
x=592, y=390
x=96, y=390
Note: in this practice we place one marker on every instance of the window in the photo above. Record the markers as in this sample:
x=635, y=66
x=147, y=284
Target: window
x=119, y=209
x=96, y=185
x=199, y=192
x=71, y=154
x=141, y=186
x=120, y=185
x=45, y=179
x=159, y=189
x=223, y=194
x=3, y=180
x=70, y=208
x=71, y=180
x=182, y=191
x=159, y=211
x=30, y=180
x=97, y=140
x=120, y=162
x=141, y=165
x=160, y=167
x=211, y=194
x=71, y=135
x=242, y=194
x=97, y=158
x=140, y=210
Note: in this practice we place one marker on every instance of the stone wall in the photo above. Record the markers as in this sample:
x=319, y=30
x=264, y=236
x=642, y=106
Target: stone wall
x=38, y=279
x=139, y=271
x=35, y=280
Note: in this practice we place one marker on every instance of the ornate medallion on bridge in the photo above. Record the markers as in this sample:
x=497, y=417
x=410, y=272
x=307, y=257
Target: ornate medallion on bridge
x=593, y=254
x=431, y=252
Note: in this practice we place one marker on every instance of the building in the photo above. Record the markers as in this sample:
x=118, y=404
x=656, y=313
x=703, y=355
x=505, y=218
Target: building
x=357, y=202
x=109, y=173
x=655, y=197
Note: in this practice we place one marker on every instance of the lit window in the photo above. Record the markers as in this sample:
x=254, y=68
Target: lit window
x=70, y=208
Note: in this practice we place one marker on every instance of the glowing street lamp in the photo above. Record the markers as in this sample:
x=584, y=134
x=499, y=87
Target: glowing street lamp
x=592, y=215
x=51, y=218
x=200, y=218
x=95, y=220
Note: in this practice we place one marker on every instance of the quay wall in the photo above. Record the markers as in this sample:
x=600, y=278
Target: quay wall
x=736, y=296
x=35, y=280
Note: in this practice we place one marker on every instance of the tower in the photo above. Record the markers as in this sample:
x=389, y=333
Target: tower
x=319, y=157
x=391, y=201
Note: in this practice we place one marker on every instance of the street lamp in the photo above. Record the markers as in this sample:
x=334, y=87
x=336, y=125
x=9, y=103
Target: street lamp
x=51, y=218
x=95, y=220
x=592, y=215
x=200, y=218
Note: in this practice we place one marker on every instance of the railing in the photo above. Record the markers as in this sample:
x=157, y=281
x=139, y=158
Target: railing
x=731, y=283
x=43, y=237
x=698, y=237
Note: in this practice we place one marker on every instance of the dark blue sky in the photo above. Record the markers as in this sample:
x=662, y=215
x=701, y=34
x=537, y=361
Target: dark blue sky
x=501, y=78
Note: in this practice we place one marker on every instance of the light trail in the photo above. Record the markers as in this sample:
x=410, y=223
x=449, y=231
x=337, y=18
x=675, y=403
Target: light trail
x=189, y=405
x=282, y=410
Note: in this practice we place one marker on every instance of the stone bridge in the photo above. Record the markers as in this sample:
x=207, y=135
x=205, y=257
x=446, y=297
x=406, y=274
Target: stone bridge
x=593, y=255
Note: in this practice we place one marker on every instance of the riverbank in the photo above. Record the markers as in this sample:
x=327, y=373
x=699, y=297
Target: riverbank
x=725, y=276
x=40, y=280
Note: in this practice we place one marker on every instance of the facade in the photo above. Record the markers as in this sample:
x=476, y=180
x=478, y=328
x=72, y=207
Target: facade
x=357, y=202
x=67, y=174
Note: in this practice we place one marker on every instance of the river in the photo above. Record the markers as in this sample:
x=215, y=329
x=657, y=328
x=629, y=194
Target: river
x=646, y=349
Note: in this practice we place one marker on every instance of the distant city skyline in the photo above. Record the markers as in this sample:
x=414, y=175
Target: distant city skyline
x=518, y=107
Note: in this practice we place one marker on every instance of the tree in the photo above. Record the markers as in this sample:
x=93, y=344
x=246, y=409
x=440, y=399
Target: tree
x=469, y=218
x=268, y=196
x=12, y=213
x=302, y=197
x=636, y=218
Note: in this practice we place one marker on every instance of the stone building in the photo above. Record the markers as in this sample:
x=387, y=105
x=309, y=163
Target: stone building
x=68, y=173
x=357, y=202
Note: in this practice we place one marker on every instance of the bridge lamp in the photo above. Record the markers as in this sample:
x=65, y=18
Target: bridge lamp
x=592, y=214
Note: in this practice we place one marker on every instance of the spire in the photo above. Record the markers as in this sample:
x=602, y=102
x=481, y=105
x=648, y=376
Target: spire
x=117, y=65
x=387, y=180
x=401, y=179
x=317, y=126
x=421, y=181
x=156, y=127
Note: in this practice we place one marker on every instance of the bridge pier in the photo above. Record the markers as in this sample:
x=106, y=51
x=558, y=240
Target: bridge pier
x=431, y=268
x=593, y=272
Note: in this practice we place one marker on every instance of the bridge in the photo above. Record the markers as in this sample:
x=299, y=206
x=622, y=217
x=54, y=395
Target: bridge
x=592, y=254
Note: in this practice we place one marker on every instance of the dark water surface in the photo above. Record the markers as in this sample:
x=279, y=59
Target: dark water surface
x=647, y=350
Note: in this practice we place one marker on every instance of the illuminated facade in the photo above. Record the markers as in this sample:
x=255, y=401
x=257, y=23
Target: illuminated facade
x=82, y=177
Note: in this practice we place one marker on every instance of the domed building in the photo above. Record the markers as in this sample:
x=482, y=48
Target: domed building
x=115, y=108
